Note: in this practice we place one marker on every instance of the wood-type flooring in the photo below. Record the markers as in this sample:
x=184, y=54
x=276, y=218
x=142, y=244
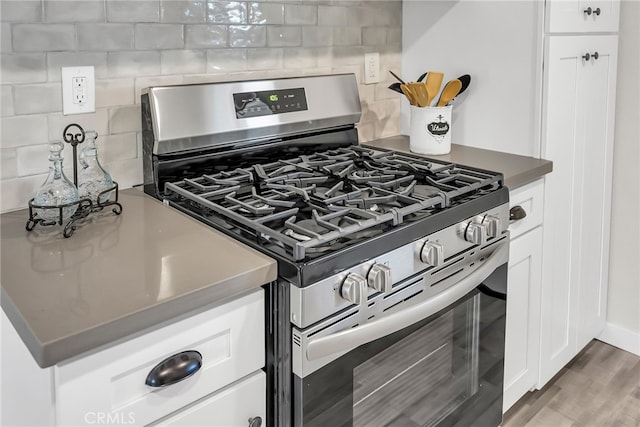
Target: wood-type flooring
x=600, y=387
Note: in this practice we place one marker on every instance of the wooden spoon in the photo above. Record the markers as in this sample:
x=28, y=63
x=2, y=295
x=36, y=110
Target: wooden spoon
x=407, y=92
x=450, y=91
x=434, y=80
x=421, y=94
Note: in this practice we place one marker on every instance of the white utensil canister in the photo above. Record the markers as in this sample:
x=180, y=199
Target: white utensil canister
x=430, y=130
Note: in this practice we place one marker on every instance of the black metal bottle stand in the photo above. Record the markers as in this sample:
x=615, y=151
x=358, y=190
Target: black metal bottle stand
x=85, y=206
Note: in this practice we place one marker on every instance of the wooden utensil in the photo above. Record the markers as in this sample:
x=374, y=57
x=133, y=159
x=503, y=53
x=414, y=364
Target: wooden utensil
x=407, y=92
x=450, y=91
x=420, y=94
x=433, y=82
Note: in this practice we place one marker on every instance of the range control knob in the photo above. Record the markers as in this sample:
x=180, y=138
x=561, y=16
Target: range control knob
x=492, y=223
x=432, y=253
x=476, y=233
x=379, y=278
x=354, y=289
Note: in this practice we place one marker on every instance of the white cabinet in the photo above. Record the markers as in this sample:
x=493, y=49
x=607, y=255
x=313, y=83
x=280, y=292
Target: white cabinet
x=578, y=120
x=235, y=406
x=522, y=342
x=582, y=16
x=108, y=386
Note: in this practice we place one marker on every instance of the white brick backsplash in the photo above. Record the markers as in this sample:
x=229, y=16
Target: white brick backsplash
x=373, y=36
x=125, y=119
x=113, y=148
x=23, y=130
x=183, y=61
x=74, y=11
x=134, y=44
x=126, y=172
x=23, y=68
x=317, y=36
x=364, y=16
x=37, y=98
x=332, y=16
x=8, y=163
x=206, y=36
x=388, y=13
x=394, y=36
x=57, y=60
x=33, y=160
x=17, y=192
x=140, y=63
x=5, y=37
x=347, y=36
x=366, y=131
x=266, y=13
x=114, y=92
x=145, y=82
x=247, y=36
x=347, y=55
x=21, y=10
x=382, y=91
x=227, y=12
x=298, y=14
x=226, y=60
x=183, y=11
x=159, y=36
x=300, y=57
x=133, y=10
x=105, y=37
x=97, y=121
x=43, y=37
x=6, y=106
x=264, y=59
x=280, y=36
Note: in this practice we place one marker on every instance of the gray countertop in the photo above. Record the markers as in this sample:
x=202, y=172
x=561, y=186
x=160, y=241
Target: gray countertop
x=117, y=275
x=517, y=170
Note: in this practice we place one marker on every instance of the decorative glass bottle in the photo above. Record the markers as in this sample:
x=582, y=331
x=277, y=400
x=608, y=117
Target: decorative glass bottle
x=92, y=179
x=57, y=189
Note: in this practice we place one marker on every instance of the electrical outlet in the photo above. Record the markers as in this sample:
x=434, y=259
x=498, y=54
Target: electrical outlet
x=78, y=90
x=371, y=68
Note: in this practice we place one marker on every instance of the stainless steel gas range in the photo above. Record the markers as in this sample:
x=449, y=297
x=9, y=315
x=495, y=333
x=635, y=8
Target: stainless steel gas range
x=390, y=303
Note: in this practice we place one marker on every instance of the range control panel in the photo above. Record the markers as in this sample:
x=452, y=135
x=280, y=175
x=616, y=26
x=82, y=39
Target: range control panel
x=267, y=102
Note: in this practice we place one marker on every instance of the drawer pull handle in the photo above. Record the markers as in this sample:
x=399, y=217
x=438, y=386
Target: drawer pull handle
x=174, y=369
x=517, y=213
x=255, y=422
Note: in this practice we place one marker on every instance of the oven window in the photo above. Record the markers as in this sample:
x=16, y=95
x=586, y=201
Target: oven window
x=422, y=378
x=445, y=370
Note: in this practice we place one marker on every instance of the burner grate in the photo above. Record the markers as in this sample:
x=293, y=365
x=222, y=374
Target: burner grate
x=313, y=202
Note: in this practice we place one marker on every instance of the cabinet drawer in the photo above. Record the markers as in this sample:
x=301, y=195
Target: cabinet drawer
x=530, y=198
x=582, y=16
x=232, y=407
x=108, y=387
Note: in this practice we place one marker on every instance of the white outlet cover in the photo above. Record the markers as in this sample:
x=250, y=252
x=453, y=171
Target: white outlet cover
x=68, y=106
x=371, y=68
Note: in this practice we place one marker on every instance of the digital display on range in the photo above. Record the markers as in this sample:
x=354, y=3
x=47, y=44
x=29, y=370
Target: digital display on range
x=267, y=102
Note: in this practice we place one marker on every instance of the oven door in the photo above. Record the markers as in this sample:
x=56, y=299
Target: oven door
x=444, y=369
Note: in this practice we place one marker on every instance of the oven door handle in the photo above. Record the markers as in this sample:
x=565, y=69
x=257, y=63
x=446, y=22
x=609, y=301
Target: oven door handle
x=354, y=337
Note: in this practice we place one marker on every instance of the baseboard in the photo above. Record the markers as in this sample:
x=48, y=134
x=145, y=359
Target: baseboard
x=622, y=338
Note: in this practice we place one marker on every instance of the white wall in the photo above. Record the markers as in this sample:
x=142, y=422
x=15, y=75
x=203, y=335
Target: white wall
x=497, y=43
x=623, y=305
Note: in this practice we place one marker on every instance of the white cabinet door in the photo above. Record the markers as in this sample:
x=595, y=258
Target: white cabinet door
x=578, y=120
x=240, y=405
x=582, y=16
x=522, y=342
